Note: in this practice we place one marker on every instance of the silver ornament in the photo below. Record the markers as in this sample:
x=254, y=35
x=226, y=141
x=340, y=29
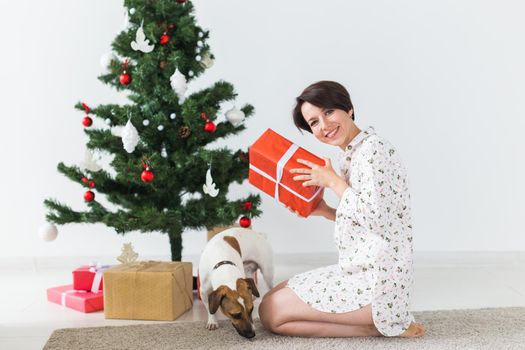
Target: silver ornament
x=145, y=122
x=173, y=116
x=160, y=127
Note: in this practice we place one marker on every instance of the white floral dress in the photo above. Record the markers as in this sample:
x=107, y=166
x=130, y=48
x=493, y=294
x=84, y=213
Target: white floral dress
x=373, y=234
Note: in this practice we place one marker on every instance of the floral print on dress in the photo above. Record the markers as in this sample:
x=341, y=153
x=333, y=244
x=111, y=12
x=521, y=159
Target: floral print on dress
x=373, y=235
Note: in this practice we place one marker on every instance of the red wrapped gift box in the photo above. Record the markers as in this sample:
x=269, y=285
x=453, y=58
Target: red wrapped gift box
x=85, y=276
x=78, y=300
x=271, y=158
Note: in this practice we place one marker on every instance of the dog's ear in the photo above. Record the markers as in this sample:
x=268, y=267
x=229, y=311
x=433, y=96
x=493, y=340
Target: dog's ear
x=215, y=298
x=253, y=287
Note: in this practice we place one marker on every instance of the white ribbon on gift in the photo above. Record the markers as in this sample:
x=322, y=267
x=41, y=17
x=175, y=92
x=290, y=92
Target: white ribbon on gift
x=65, y=293
x=279, y=174
x=98, y=270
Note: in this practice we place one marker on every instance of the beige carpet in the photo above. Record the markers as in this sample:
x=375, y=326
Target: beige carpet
x=494, y=329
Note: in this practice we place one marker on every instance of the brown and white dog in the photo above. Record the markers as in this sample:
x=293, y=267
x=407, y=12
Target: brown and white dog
x=224, y=263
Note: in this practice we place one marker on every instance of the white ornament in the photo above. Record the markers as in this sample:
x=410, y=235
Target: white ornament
x=48, y=232
x=235, y=116
x=178, y=84
x=107, y=121
x=198, y=50
x=198, y=57
x=199, y=43
x=190, y=73
x=145, y=122
x=126, y=20
x=141, y=43
x=130, y=137
x=89, y=162
x=106, y=59
x=160, y=127
x=131, y=11
x=201, y=34
x=173, y=116
x=163, y=152
x=209, y=188
x=207, y=61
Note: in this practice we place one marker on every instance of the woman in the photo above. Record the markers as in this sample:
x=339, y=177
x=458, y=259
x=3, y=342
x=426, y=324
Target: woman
x=367, y=292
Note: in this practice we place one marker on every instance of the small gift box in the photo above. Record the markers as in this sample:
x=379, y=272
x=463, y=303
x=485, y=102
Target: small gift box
x=271, y=158
x=89, y=277
x=76, y=299
x=148, y=290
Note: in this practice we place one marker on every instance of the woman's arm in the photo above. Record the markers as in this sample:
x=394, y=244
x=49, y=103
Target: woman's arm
x=330, y=215
x=321, y=210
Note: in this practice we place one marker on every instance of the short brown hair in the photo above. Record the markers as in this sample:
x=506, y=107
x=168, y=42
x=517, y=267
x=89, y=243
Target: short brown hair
x=323, y=94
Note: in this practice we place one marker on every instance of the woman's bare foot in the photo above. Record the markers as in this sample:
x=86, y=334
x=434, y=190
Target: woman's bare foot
x=415, y=330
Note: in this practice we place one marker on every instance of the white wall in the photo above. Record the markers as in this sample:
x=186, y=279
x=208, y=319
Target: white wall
x=442, y=80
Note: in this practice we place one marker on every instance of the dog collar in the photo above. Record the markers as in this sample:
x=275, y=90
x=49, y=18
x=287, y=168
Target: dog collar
x=224, y=262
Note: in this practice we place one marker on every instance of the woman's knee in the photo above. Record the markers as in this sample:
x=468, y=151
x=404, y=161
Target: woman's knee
x=268, y=312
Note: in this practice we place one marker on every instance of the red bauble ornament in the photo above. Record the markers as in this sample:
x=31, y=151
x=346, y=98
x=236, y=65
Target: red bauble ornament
x=91, y=184
x=247, y=205
x=87, y=121
x=84, y=179
x=209, y=126
x=89, y=196
x=245, y=221
x=164, y=39
x=125, y=78
x=147, y=175
x=181, y=1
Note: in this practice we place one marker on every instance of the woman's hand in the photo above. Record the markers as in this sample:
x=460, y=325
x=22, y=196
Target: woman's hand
x=322, y=209
x=317, y=175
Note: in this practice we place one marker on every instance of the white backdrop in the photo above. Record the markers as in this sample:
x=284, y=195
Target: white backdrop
x=444, y=81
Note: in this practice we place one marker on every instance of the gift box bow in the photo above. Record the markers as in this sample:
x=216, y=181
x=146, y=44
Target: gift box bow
x=98, y=269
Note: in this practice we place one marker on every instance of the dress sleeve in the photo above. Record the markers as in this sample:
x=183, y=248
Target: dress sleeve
x=368, y=206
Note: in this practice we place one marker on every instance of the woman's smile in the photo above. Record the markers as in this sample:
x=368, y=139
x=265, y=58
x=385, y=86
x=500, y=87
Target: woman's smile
x=331, y=134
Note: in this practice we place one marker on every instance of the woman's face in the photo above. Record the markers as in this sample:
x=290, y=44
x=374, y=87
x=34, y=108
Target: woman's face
x=329, y=125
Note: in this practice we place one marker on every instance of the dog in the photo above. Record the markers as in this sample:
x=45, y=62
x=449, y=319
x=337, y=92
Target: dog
x=225, y=262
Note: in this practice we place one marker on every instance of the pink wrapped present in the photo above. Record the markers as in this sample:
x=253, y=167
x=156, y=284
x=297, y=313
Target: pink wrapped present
x=76, y=299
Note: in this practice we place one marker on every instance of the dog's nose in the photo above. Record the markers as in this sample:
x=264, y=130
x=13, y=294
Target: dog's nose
x=249, y=335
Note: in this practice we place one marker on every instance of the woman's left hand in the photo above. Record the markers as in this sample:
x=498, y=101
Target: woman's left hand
x=316, y=175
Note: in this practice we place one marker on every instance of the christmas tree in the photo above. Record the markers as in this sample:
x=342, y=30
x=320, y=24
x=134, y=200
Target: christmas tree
x=163, y=177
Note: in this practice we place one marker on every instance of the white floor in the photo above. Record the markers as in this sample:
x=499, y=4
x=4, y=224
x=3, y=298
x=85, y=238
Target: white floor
x=442, y=281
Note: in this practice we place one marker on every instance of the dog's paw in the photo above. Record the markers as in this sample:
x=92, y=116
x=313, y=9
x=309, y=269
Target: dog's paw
x=212, y=325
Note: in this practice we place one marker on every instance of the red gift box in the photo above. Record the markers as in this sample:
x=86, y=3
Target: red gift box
x=89, y=278
x=74, y=299
x=271, y=158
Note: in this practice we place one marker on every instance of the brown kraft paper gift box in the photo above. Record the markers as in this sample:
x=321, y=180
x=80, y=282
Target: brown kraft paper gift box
x=148, y=290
